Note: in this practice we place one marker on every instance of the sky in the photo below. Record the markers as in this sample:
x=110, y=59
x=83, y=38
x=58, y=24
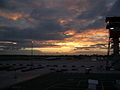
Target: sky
x=55, y=27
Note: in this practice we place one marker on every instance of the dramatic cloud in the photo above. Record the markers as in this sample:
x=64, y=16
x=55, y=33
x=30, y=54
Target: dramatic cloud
x=56, y=26
x=115, y=9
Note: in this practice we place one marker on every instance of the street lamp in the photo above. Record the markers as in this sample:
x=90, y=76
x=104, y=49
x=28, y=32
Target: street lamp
x=31, y=48
x=31, y=53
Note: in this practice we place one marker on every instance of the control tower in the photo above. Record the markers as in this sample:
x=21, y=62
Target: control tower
x=113, y=24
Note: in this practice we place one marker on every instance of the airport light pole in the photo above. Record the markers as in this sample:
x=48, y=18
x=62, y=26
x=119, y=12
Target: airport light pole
x=113, y=25
x=31, y=53
x=31, y=48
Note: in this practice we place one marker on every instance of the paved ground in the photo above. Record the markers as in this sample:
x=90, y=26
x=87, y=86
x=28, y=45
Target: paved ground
x=68, y=81
x=53, y=74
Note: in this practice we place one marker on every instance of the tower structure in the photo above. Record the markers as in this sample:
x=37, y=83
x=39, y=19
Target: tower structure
x=113, y=24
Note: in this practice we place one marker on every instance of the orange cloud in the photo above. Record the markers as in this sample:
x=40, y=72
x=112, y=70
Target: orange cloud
x=7, y=42
x=12, y=16
x=70, y=32
x=84, y=40
x=62, y=49
x=62, y=21
x=93, y=36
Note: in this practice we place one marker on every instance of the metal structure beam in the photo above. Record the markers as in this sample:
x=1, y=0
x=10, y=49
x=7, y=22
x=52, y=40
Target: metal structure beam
x=113, y=24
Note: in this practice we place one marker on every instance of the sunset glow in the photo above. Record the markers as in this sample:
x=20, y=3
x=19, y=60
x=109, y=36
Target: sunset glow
x=9, y=15
x=56, y=49
x=15, y=16
x=7, y=42
x=91, y=40
x=70, y=32
x=55, y=26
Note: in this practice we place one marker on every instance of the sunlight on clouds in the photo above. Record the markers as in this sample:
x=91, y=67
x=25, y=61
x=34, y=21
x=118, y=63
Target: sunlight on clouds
x=17, y=20
x=7, y=42
x=90, y=35
x=15, y=16
x=54, y=50
x=90, y=40
x=70, y=32
x=9, y=15
x=56, y=26
x=62, y=21
x=69, y=44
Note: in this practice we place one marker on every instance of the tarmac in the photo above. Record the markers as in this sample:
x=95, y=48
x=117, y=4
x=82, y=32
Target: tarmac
x=68, y=81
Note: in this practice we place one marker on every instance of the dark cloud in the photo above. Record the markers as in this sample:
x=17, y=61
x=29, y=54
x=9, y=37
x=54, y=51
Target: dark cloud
x=97, y=24
x=2, y=3
x=49, y=13
x=6, y=5
x=93, y=9
x=21, y=6
x=115, y=10
x=97, y=8
x=101, y=46
x=41, y=18
x=50, y=26
x=95, y=15
x=44, y=32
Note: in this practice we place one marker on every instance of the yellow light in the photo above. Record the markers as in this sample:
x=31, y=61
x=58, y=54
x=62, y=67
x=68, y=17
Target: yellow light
x=70, y=32
x=62, y=21
x=55, y=49
x=78, y=42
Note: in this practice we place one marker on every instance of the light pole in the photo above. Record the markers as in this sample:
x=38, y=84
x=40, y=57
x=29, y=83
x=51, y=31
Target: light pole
x=31, y=48
x=31, y=53
x=113, y=25
x=15, y=73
